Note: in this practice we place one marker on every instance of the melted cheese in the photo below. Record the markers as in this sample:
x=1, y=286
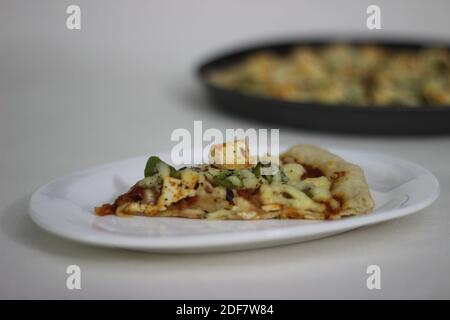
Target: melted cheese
x=288, y=195
x=174, y=190
x=319, y=188
x=294, y=171
x=231, y=155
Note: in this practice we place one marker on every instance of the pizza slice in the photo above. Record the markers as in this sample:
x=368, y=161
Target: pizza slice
x=308, y=183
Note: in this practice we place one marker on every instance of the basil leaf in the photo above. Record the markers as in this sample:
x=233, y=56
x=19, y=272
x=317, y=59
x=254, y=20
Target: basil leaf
x=151, y=168
x=174, y=173
x=220, y=179
x=257, y=170
x=284, y=177
x=268, y=178
x=222, y=174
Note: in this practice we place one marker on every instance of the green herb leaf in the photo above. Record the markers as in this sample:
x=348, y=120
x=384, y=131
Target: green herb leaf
x=284, y=177
x=268, y=178
x=174, y=173
x=257, y=170
x=222, y=174
x=151, y=168
x=220, y=179
x=223, y=182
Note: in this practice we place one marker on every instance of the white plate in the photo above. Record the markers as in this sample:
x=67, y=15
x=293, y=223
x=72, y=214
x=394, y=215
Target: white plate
x=65, y=207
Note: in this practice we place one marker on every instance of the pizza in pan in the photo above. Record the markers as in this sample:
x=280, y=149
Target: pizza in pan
x=308, y=183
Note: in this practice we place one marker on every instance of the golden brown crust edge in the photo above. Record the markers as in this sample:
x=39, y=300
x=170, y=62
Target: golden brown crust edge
x=348, y=182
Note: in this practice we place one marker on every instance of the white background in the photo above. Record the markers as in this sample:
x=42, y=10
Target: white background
x=118, y=87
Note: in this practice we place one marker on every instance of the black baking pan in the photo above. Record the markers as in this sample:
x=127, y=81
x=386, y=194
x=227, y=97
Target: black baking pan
x=337, y=118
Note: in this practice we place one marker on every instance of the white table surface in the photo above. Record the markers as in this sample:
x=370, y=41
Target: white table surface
x=118, y=87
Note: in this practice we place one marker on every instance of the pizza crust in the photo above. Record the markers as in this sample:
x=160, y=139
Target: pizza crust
x=349, y=185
